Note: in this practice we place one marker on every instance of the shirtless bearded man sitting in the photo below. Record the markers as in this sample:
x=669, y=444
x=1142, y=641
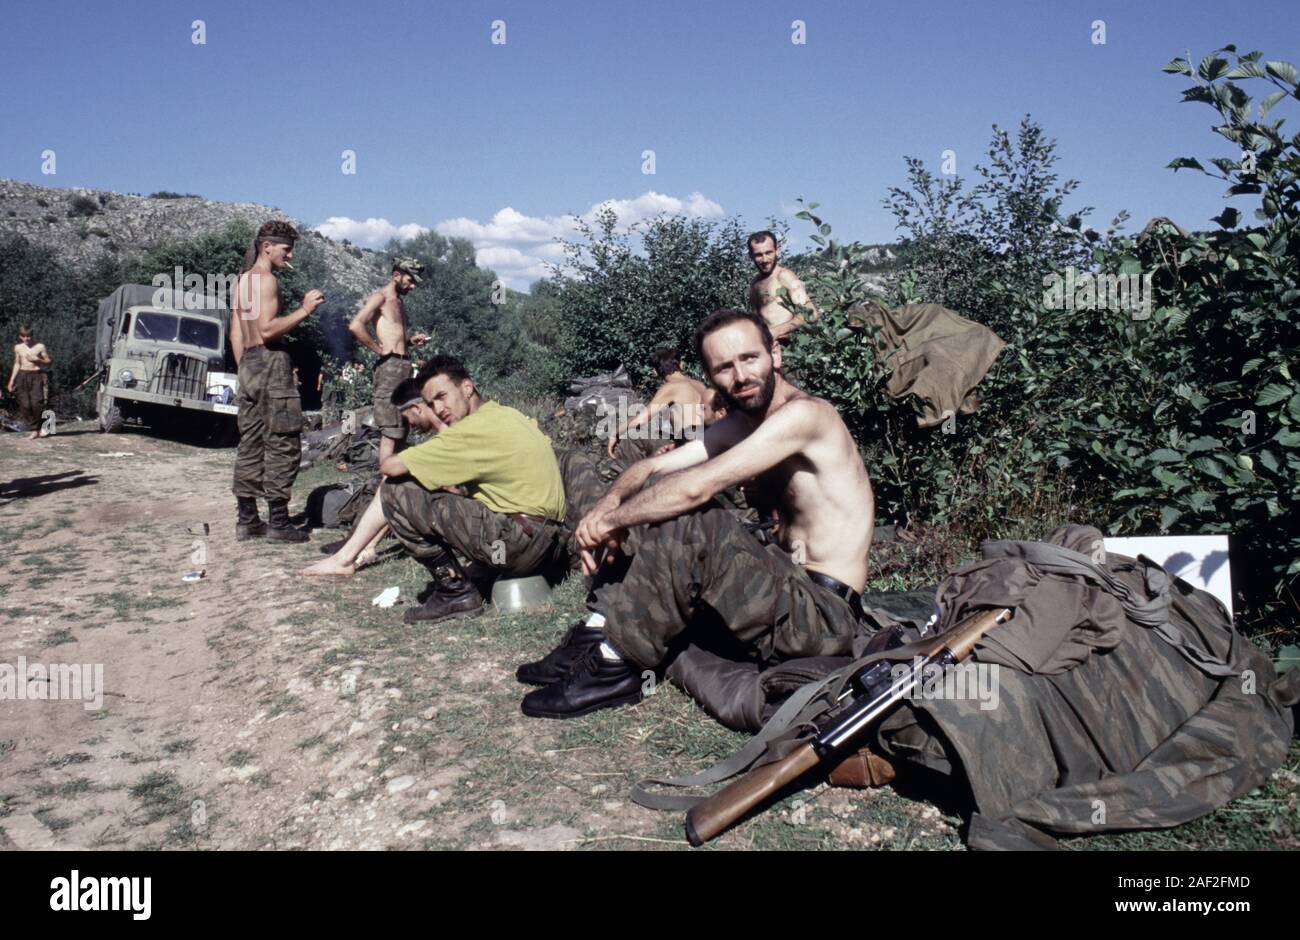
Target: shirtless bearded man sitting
x=683, y=555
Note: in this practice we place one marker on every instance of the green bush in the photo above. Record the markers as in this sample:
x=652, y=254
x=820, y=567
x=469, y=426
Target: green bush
x=1181, y=421
x=615, y=306
x=82, y=206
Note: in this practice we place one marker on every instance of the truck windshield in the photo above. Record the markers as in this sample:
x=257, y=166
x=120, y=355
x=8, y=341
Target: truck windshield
x=170, y=328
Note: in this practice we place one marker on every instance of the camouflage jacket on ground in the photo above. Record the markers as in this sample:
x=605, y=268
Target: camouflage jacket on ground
x=1125, y=699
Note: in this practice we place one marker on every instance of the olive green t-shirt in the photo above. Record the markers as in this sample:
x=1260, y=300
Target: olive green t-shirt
x=501, y=458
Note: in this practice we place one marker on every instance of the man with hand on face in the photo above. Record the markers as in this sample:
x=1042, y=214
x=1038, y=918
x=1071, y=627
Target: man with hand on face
x=510, y=519
x=386, y=309
x=684, y=553
x=357, y=551
x=270, y=411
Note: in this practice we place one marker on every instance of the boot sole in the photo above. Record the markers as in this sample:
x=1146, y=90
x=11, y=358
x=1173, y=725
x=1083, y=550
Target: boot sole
x=631, y=699
x=540, y=683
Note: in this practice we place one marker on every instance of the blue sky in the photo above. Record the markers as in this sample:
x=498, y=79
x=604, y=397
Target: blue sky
x=500, y=142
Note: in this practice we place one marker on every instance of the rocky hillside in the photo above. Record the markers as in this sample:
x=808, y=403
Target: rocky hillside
x=81, y=224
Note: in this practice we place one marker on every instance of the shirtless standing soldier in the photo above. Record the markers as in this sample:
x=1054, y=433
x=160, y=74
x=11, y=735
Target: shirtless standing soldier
x=270, y=411
x=29, y=382
x=763, y=298
x=686, y=553
x=681, y=396
x=386, y=309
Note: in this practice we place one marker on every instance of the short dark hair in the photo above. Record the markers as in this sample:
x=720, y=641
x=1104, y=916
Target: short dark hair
x=666, y=361
x=407, y=391
x=725, y=317
x=759, y=237
x=449, y=366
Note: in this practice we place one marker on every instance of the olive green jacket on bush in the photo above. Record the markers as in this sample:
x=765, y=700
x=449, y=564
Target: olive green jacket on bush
x=932, y=353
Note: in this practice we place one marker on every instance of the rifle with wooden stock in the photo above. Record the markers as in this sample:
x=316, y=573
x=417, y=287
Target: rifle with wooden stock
x=858, y=707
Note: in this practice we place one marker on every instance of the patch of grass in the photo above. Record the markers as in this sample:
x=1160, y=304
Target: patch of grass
x=241, y=758
x=281, y=703
x=179, y=746
x=76, y=757
x=58, y=638
x=131, y=758
x=67, y=788
x=160, y=795
x=47, y=818
x=125, y=605
x=314, y=741
x=6, y=746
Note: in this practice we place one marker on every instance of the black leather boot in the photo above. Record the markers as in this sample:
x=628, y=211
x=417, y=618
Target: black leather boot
x=452, y=599
x=280, y=529
x=249, y=524
x=454, y=595
x=554, y=665
x=592, y=683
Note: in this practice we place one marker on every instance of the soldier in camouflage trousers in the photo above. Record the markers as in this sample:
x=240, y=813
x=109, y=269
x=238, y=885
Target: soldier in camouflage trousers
x=670, y=563
x=270, y=411
x=270, y=426
x=429, y=522
x=706, y=559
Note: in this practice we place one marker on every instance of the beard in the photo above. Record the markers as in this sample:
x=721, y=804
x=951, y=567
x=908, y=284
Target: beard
x=757, y=403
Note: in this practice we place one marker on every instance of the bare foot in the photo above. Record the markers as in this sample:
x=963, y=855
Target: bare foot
x=330, y=567
x=366, y=559
x=35, y=435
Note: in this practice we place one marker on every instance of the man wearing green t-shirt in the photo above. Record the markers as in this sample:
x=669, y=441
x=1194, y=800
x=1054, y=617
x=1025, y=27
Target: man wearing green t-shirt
x=511, y=516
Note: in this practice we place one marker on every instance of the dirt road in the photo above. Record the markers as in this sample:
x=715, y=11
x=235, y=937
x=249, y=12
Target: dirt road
x=257, y=709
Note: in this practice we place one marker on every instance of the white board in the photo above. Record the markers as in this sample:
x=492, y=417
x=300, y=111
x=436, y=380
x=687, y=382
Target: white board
x=1200, y=560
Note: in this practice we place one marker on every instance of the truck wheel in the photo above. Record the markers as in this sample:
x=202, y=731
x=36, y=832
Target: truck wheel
x=111, y=419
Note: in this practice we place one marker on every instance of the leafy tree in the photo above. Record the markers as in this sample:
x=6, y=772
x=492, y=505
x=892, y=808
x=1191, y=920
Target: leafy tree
x=617, y=305
x=455, y=306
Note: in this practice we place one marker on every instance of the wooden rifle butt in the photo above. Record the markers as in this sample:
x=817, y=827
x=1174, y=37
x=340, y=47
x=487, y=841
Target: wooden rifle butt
x=729, y=804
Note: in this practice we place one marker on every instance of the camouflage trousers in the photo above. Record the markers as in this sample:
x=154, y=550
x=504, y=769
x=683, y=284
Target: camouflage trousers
x=583, y=488
x=629, y=450
x=391, y=371
x=270, y=425
x=427, y=523
x=30, y=388
x=704, y=566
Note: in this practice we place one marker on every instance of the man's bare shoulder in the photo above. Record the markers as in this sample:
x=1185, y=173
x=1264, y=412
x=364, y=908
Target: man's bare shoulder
x=686, y=387
x=808, y=409
x=786, y=277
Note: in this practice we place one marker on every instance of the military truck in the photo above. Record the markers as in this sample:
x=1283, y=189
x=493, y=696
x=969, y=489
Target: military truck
x=163, y=355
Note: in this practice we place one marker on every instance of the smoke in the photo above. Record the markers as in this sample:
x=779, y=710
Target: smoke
x=334, y=327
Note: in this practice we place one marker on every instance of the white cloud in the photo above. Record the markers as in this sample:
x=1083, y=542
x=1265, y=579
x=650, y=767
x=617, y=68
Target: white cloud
x=371, y=233
x=517, y=246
